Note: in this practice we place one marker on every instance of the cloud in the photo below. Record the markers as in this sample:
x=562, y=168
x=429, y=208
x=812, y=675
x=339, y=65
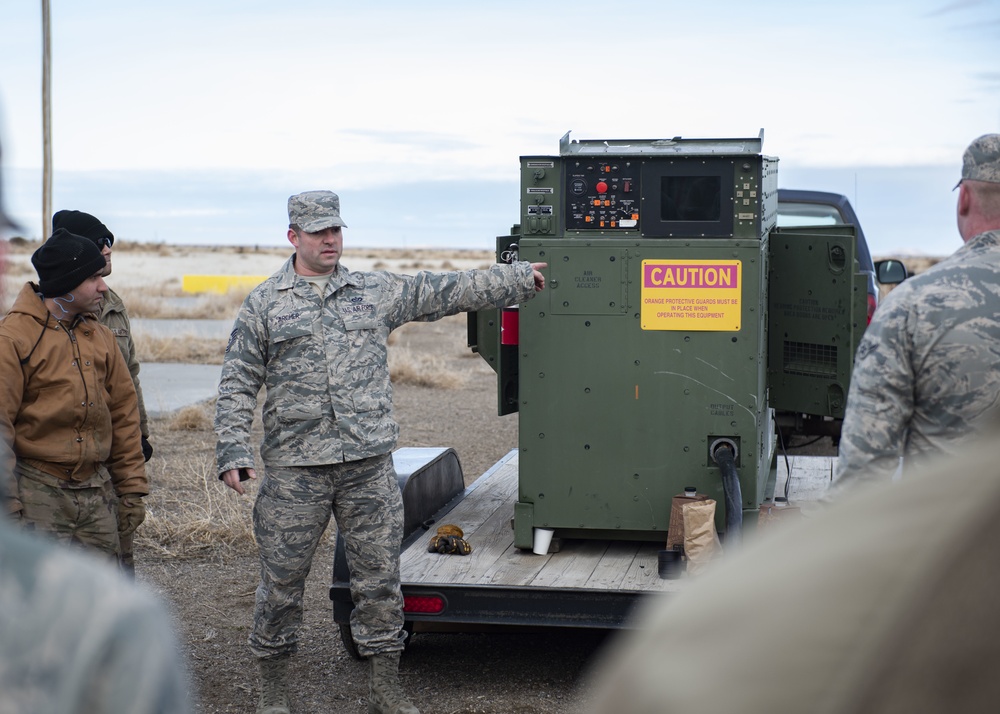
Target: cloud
x=956, y=6
x=990, y=80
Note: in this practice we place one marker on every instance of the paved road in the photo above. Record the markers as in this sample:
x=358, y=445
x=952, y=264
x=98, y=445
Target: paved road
x=169, y=387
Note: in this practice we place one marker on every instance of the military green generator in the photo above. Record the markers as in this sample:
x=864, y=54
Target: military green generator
x=676, y=318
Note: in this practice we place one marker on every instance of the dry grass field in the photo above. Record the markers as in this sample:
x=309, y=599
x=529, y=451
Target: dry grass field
x=196, y=547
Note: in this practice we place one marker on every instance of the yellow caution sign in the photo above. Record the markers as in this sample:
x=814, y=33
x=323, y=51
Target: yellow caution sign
x=690, y=295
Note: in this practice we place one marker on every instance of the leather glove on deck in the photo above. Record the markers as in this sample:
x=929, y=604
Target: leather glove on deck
x=449, y=541
x=131, y=514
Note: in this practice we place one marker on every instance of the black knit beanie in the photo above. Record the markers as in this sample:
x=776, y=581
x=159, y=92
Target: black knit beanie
x=64, y=261
x=82, y=224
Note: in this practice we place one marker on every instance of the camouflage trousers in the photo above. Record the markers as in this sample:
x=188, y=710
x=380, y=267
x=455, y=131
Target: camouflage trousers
x=290, y=515
x=81, y=513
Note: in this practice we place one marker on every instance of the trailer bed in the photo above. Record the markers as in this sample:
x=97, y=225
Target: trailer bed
x=586, y=583
x=601, y=565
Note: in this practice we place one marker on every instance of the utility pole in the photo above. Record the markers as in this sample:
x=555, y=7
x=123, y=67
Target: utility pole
x=46, y=120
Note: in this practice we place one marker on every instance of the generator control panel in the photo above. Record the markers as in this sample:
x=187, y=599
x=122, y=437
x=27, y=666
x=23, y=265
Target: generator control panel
x=602, y=194
x=662, y=188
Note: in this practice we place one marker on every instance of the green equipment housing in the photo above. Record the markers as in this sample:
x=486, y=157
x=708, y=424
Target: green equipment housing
x=676, y=318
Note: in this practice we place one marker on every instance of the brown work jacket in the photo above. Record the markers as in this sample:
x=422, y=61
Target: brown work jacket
x=66, y=395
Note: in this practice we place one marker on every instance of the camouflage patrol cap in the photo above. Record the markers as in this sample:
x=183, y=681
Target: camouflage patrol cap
x=314, y=211
x=981, y=161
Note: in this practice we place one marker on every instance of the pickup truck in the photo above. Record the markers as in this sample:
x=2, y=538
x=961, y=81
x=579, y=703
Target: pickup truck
x=820, y=208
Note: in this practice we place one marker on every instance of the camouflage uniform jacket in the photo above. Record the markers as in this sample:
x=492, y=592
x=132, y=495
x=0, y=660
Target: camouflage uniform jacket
x=115, y=317
x=70, y=405
x=78, y=638
x=324, y=361
x=927, y=371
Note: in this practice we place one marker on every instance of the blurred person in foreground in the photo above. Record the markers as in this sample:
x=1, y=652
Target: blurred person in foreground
x=883, y=602
x=76, y=638
x=67, y=400
x=927, y=371
x=114, y=316
x=314, y=335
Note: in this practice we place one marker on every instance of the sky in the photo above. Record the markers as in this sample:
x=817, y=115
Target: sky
x=192, y=122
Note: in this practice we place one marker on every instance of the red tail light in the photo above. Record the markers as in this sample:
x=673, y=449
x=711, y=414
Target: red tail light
x=871, y=307
x=428, y=604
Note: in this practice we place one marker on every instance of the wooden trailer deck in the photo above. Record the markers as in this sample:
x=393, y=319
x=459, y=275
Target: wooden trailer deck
x=590, y=565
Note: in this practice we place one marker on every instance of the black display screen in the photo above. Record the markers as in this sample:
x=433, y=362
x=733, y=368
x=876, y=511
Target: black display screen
x=690, y=198
x=687, y=198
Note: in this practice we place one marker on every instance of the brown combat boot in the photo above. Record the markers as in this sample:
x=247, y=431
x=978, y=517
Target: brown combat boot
x=385, y=695
x=273, y=685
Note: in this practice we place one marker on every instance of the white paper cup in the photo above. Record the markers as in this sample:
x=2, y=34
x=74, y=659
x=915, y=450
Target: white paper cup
x=543, y=538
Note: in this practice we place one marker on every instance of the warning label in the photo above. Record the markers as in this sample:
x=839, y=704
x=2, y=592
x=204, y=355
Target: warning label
x=691, y=295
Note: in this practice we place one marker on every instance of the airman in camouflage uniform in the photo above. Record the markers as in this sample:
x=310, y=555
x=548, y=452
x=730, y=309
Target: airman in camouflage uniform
x=114, y=316
x=314, y=335
x=927, y=372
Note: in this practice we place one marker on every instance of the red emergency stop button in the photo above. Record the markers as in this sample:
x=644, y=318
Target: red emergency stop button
x=602, y=186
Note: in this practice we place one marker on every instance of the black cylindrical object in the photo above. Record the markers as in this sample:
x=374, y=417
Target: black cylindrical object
x=726, y=460
x=670, y=564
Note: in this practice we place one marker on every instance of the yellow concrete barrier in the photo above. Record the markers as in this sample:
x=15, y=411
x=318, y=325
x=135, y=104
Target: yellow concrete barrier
x=220, y=284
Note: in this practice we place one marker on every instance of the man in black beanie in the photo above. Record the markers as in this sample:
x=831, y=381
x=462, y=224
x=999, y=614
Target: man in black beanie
x=67, y=398
x=114, y=315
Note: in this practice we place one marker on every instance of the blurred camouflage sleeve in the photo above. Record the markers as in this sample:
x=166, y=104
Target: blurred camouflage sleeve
x=430, y=296
x=243, y=372
x=880, y=403
x=79, y=638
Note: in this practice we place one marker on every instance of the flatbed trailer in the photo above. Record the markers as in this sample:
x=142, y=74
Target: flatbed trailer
x=587, y=583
